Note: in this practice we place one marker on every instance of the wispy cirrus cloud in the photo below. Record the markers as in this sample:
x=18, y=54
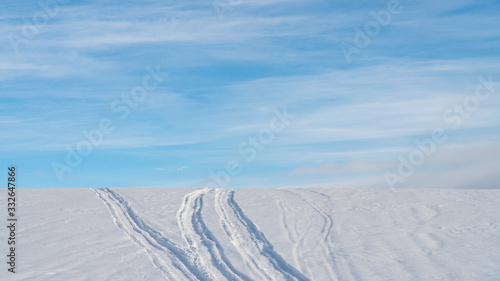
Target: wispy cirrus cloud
x=350, y=166
x=225, y=77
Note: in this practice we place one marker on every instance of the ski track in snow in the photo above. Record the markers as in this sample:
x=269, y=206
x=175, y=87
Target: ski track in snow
x=250, y=242
x=202, y=241
x=204, y=258
x=175, y=265
x=293, y=233
x=344, y=261
x=324, y=245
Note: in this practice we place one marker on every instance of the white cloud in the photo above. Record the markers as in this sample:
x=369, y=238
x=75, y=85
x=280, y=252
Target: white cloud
x=347, y=167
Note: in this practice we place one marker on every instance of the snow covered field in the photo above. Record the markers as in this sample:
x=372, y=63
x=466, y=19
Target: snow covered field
x=256, y=234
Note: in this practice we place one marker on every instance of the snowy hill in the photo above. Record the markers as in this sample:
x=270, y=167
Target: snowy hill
x=256, y=234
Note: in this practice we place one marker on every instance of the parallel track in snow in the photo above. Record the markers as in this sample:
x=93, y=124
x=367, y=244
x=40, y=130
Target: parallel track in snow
x=201, y=240
x=174, y=262
x=295, y=237
x=251, y=242
x=324, y=243
x=203, y=258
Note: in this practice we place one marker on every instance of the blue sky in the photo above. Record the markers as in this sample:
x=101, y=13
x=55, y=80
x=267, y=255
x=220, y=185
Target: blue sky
x=223, y=77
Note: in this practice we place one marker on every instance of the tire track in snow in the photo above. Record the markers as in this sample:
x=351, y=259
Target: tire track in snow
x=250, y=242
x=201, y=240
x=174, y=262
x=324, y=242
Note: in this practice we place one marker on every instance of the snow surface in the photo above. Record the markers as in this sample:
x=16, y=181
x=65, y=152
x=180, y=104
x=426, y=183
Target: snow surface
x=256, y=234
